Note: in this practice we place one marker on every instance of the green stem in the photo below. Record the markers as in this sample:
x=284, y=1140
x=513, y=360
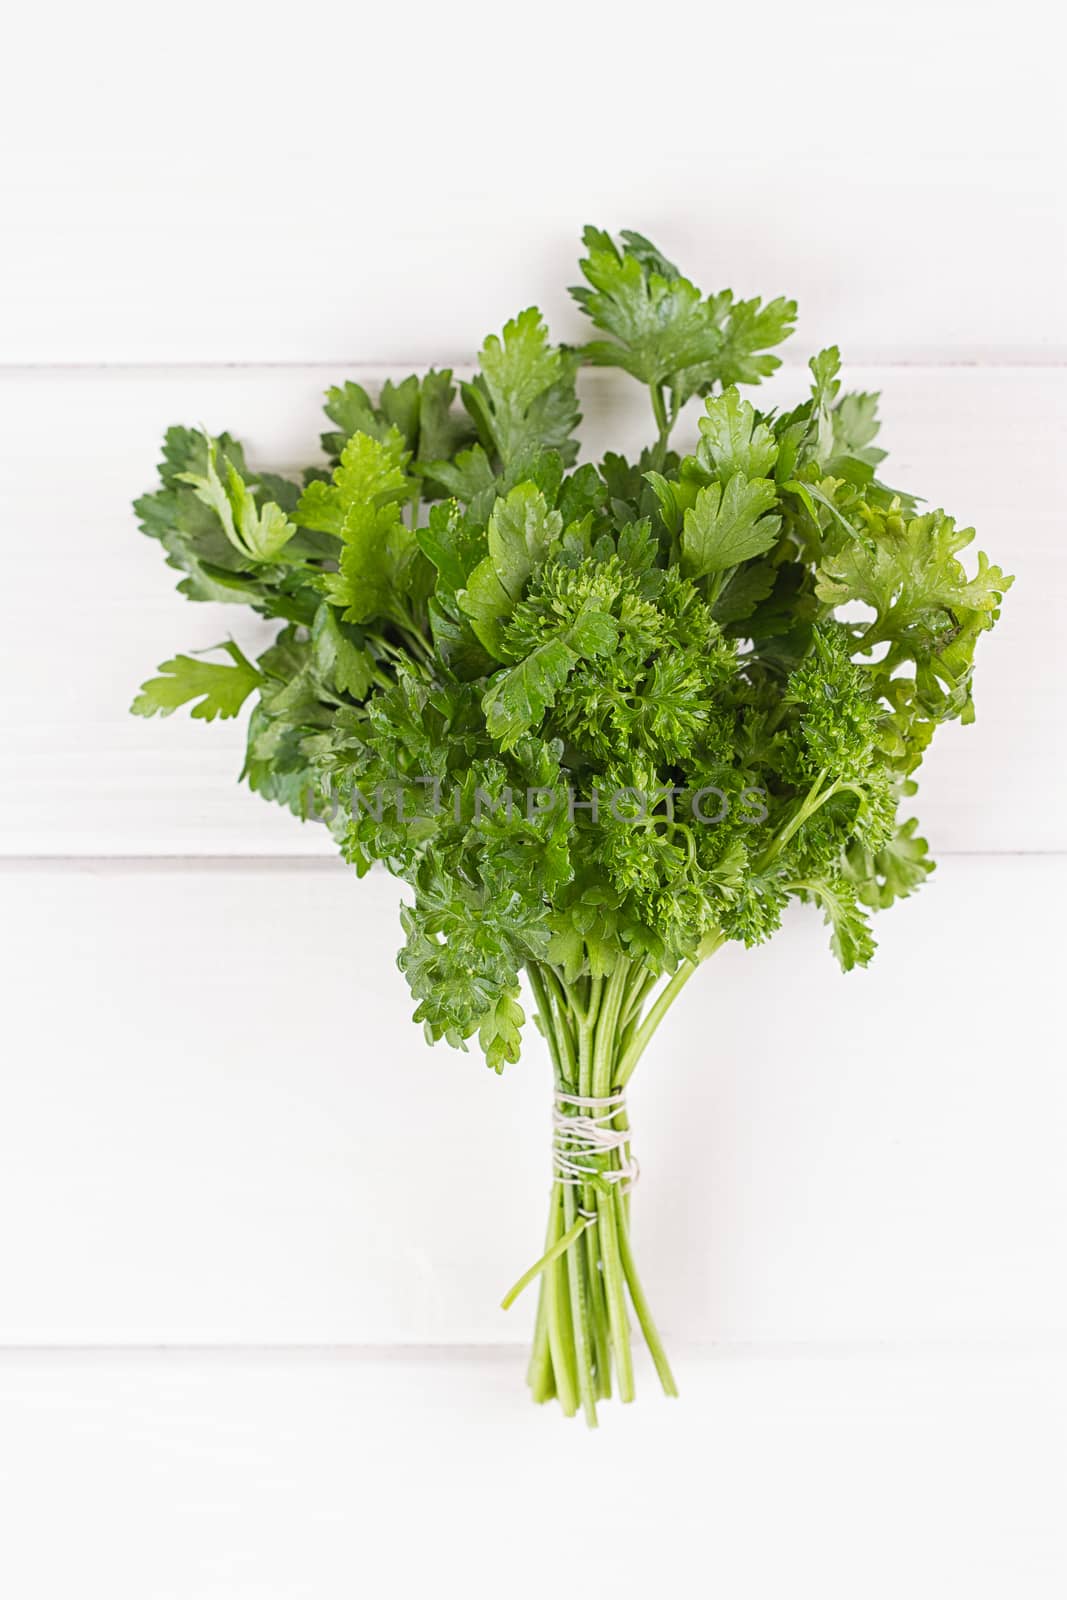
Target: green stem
x=611, y=1258
x=663, y=423
x=591, y=1249
x=416, y=643
x=641, y=1306
x=539, y=1374
x=588, y=1277
x=598, y=1310
x=663, y=1002
x=557, y=1314
x=583, y=1356
x=554, y=1251
x=815, y=797
x=659, y=408
x=539, y=1377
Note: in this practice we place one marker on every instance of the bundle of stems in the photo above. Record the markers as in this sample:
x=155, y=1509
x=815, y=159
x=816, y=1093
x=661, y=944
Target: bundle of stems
x=597, y=1029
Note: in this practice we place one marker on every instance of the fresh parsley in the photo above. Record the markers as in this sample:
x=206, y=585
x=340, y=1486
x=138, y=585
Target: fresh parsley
x=600, y=718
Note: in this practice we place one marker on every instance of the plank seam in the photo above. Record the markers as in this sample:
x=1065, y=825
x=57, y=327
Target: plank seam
x=336, y=863
x=469, y=362
x=1052, y=1343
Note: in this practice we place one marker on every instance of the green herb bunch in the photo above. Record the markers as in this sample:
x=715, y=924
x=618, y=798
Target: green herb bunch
x=600, y=718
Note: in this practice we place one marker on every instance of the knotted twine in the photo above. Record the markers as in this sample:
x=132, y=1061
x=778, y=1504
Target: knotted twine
x=583, y=1130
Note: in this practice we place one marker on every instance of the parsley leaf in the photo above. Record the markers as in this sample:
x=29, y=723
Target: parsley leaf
x=850, y=935
x=419, y=409
x=380, y=567
x=522, y=531
x=728, y=524
x=523, y=400
x=259, y=533
x=219, y=691
x=664, y=332
x=734, y=439
x=518, y=698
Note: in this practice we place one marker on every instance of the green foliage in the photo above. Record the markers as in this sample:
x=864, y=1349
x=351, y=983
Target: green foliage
x=420, y=410
x=733, y=439
x=218, y=690
x=664, y=331
x=516, y=700
x=340, y=658
x=891, y=872
x=850, y=935
x=378, y=563
x=727, y=525
x=258, y=532
x=523, y=400
x=599, y=718
x=520, y=534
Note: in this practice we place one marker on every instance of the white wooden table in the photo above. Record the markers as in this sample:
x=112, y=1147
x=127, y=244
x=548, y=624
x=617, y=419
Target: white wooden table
x=237, y=1358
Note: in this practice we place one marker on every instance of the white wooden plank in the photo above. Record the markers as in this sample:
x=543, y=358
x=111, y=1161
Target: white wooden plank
x=282, y=1476
x=373, y=186
x=80, y=776
x=217, y=1123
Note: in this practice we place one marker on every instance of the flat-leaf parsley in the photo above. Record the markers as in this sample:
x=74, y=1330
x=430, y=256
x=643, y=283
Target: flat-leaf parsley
x=601, y=719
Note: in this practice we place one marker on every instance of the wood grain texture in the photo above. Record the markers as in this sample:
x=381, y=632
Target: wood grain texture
x=377, y=185
x=211, y=1476
x=79, y=776
x=218, y=1126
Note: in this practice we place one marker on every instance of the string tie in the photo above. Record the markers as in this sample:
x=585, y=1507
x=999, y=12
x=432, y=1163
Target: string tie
x=583, y=1133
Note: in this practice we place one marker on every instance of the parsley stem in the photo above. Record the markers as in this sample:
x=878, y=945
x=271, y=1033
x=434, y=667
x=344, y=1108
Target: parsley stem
x=417, y=644
x=598, y=1311
x=659, y=411
x=588, y=1275
x=583, y=1359
x=557, y=1317
x=554, y=1251
x=666, y=997
x=641, y=1306
x=663, y=424
x=603, y=1074
x=539, y=1374
x=594, y=1277
x=816, y=797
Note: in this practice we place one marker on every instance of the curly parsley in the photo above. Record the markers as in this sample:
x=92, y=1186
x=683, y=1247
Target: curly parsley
x=600, y=719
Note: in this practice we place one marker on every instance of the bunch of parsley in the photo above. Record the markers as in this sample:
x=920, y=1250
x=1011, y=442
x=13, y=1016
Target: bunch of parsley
x=600, y=718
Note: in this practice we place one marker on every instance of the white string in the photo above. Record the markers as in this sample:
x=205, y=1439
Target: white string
x=586, y=1130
